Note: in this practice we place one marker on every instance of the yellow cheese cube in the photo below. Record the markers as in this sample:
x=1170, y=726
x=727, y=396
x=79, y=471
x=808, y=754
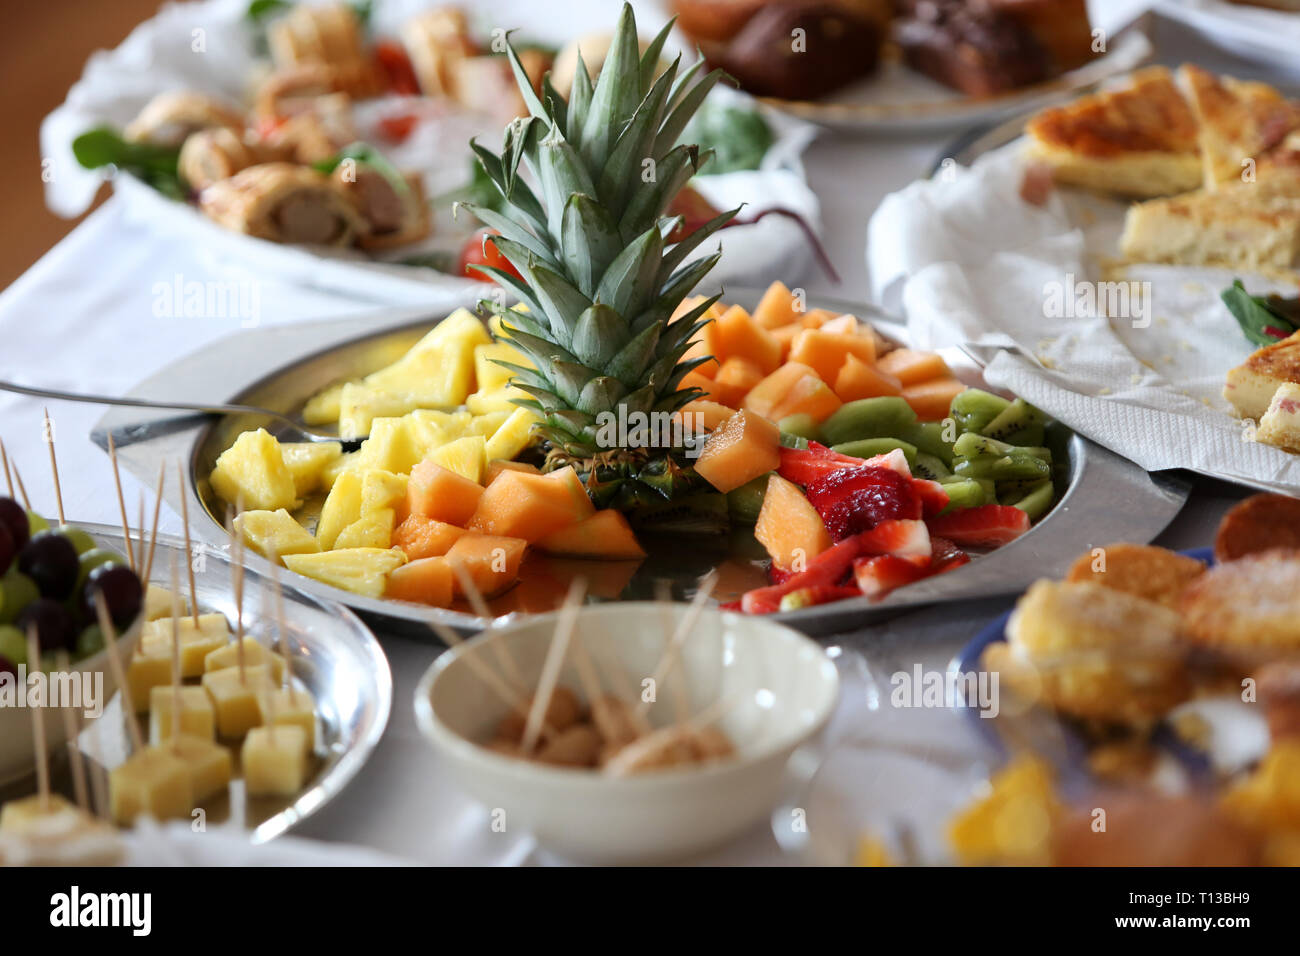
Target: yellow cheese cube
x=152, y=781
x=143, y=674
x=19, y=816
x=158, y=603
x=281, y=707
x=274, y=761
x=256, y=654
x=197, y=717
x=212, y=633
x=235, y=700
x=208, y=764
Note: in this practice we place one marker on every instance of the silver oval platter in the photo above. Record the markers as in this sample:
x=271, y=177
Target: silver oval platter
x=334, y=657
x=1102, y=498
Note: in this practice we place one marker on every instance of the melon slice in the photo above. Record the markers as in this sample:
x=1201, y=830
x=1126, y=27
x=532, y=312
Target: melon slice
x=768, y=393
x=492, y=561
x=746, y=446
x=424, y=581
x=712, y=414
x=858, y=379
x=910, y=366
x=520, y=505
x=785, y=336
x=825, y=352
x=606, y=534
x=435, y=492
x=789, y=526
x=931, y=400
x=738, y=336
x=777, y=307
x=499, y=465
x=421, y=537
x=736, y=376
x=808, y=396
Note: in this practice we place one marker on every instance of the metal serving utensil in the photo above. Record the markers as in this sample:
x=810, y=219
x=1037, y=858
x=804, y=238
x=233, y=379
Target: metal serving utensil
x=298, y=431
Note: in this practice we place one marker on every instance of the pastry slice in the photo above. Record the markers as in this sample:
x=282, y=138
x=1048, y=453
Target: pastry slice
x=1241, y=121
x=1280, y=426
x=1251, y=386
x=171, y=117
x=213, y=154
x=328, y=34
x=1140, y=140
x=283, y=203
x=396, y=211
x=436, y=42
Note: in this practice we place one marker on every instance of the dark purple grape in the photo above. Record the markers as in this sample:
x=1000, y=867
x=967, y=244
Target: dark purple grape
x=55, y=629
x=121, y=590
x=50, y=560
x=13, y=517
x=7, y=549
x=7, y=666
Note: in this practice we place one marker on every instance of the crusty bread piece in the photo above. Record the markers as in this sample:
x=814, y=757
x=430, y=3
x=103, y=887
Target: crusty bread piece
x=1140, y=140
x=1156, y=574
x=1251, y=386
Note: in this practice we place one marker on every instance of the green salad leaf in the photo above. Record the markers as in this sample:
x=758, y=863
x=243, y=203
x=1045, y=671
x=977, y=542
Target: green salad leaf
x=739, y=137
x=366, y=155
x=156, y=165
x=1263, y=319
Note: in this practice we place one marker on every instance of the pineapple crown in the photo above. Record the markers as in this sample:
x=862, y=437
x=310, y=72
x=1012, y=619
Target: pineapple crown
x=601, y=281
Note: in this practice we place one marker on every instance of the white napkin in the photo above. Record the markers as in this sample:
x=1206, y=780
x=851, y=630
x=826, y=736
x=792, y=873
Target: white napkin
x=969, y=262
x=207, y=46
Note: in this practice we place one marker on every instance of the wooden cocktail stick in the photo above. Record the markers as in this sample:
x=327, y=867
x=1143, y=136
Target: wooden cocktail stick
x=189, y=545
x=118, y=668
x=98, y=773
x=157, y=506
x=176, y=651
x=237, y=588
x=670, y=654
x=140, y=558
x=664, y=596
x=4, y=459
x=121, y=507
x=27, y=502
x=70, y=730
x=54, y=465
x=625, y=760
x=475, y=598
x=281, y=631
x=555, y=654
x=269, y=717
x=38, y=724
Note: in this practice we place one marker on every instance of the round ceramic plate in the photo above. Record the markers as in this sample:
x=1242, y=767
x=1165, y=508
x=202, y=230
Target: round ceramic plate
x=336, y=659
x=280, y=368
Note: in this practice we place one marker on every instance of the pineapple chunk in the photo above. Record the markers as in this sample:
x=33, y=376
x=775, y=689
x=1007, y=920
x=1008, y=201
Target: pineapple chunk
x=497, y=400
x=488, y=375
x=438, y=370
x=323, y=407
x=254, y=468
x=274, y=533
x=465, y=456
x=513, y=436
x=342, y=508
x=361, y=405
x=330, y=473
x=306, y=461
x=437, y=428
x=487, y=423
x=362, y=571
x=389, y=446
x=382, y=489
x=374, y=530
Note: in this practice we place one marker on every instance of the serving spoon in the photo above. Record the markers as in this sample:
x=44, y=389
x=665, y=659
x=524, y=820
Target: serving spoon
x=297, y=430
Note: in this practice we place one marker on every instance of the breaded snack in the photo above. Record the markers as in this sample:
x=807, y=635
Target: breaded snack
x=1156, y=574
x=1260, y=523
x=1096, y=653
x=1251, y=605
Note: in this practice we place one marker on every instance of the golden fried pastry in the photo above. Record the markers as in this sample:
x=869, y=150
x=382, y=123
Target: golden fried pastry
x=169, y=118
x=1095, y=653
x=213, y=154
x=293, y=90
x=436, y=42
x=1139, y=141
x=283, y=203
x=1248, y=609
x=1244, y=126
x=396, y=213
x=1145, y=829
x=1259, y=523
x=1251, y=386
x=329, y=35
x=1269, y=798
x=1156, y=574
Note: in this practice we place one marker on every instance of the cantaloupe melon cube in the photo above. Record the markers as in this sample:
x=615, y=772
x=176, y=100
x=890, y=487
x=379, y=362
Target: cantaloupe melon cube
x=495, y=468
x=738, y=335
x=777, y=307
x=423, y=581
x=519, y=505
x=785, y=336
x=736, y=376
x=252, y=470
x=789, y=526
x=767, y=394
x=491, y=561
x=858, y=379
x=342, y=507
x=512, y=436
x=306, y=461
x=435, y=492
x=374, y=530
x=910, y=366
x=808, y=396
x=825, y=352
x=382, y=490
x=932, y=399
x=580, y=501
x=746, y=446
x=362, y=571
x=421, y=537
x=815, y=318
x=711, y=414
x=273, y=533
x=846, y=325
x=466, y=457
x=693, y=379
x=606, y=534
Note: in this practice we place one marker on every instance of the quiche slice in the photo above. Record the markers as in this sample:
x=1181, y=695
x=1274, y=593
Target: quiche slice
x=1251, y=386
x=1242, y=121
x=1138, y=141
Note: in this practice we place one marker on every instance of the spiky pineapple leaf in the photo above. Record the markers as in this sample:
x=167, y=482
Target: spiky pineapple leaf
x=632, y=361
x=648, y=203
x=599, y=335
x=655, y=49
x=579, y=103
x=635, y=146
x=510, y=230
x=591, y=241
x=535, y=106
x=563, y=174
x=630, y=281
x=678, y=253
x=685, y=107
x=617, y=92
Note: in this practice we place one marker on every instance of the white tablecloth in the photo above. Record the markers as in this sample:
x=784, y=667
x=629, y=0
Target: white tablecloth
x=84, y=318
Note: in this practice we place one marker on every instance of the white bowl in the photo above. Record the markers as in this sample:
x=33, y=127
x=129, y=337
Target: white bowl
x=780, y=687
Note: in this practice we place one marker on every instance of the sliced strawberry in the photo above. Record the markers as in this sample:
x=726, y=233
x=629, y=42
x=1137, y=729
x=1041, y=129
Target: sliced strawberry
x=778, y=575
x=933, y=496
x=908, y=539
x=894, y=460
x=827, y=569
x=879, y=575
x=817, y=594
x=985, y=526
x=805, y=465
x=857, y=499
x=945, y=555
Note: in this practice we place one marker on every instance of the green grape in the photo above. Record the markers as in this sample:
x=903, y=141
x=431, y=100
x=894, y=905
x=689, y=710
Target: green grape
x=89, y=642
x=92, y=559
x=36, y=523
x=13, y=645
x=19, y=591
x=81, y=541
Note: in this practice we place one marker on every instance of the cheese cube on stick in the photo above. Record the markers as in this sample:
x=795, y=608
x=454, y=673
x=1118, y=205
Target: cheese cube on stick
x=256, y=654
x=152, y=781
x=284, y=707
x=211, y=634
x=158, y=603
x=275, y=760
x=235, y=700
x=144, y=674
x=198, y=718
x=208, y=764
